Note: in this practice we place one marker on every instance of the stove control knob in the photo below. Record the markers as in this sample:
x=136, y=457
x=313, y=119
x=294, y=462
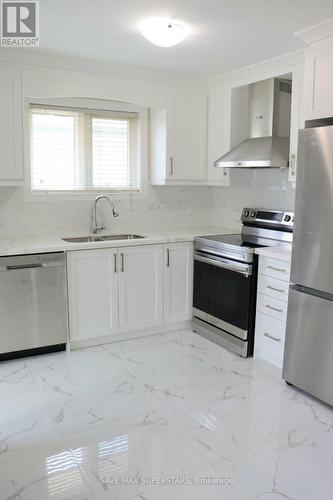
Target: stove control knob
x=252, y=214
x=246, y=213
x=287, y=218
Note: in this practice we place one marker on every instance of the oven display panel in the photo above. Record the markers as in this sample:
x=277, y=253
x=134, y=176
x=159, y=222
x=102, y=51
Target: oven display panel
x=277, y=217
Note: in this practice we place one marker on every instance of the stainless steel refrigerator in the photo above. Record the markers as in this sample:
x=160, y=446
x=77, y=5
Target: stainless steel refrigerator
x=308, y=358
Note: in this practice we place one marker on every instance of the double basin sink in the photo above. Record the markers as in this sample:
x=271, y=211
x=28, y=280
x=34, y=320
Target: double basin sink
x=113, y=237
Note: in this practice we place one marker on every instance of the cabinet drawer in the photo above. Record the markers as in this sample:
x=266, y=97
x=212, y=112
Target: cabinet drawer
x=273, y=287
x=270, y=336
x=275, y=268
x=271, y=306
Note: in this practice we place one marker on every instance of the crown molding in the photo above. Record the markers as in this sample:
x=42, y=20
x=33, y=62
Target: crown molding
x=52, y=60
x=316, y=32
x=264, y=69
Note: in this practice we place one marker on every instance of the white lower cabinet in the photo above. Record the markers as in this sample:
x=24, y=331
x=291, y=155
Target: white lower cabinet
x=270, y=335
x=140, y=287
x=115, y=291
x=178, y=282
x=272, y=307
x=92, y=293
x=272, y=303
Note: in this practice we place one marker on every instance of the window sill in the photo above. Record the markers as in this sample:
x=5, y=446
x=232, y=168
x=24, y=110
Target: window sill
x=81, y=195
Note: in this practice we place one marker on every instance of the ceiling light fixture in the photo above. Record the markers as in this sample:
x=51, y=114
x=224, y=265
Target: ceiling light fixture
x=163, y=31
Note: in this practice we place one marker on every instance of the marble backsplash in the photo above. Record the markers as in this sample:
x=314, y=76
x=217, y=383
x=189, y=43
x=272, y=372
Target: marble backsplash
x=163, y=208
x=260, y=188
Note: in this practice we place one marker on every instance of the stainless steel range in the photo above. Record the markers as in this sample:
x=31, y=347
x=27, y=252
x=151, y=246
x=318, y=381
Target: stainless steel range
x=225, y=277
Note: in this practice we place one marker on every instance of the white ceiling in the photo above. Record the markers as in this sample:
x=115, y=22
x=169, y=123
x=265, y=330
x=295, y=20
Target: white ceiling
x=225, y=34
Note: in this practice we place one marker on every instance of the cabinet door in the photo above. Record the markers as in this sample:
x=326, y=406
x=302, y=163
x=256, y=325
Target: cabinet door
x=178, y=139
x=319, y=80
x=92, y=293
x=189, y=121
x=269, y=339
x=140, y=287
x=219, y=131
x=178, y=282
x=297, y=117
x=11, y=160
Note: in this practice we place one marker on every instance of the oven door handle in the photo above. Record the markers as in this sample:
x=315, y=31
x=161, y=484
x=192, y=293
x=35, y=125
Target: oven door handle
x=225, y=264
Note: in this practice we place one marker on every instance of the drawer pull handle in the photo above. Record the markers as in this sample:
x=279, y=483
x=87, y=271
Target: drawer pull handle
x=171, y=165
x=268, y=306
x=280, y=290
x=277, y=269
x=271, y=337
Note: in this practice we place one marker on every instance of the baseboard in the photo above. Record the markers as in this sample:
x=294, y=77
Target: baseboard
x=121, y=337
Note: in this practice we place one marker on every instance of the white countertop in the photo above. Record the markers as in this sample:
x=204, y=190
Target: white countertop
x=41, y=244
x=282, y=252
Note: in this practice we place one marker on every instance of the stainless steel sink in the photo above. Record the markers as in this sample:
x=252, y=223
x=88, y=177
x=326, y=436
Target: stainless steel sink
x=83, y=239
x=111, y=237
x=122, y=237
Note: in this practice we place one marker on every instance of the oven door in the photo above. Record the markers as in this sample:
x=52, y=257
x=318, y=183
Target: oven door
x=222, y=293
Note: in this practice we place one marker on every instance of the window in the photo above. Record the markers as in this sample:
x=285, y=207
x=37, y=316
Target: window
x=74, y=149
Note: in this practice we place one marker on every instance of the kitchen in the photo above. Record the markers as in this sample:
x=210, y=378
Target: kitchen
x=160, y=208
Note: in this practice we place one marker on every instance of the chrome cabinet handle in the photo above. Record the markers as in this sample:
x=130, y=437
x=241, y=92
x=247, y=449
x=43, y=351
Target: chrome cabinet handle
x=171, y=165
x=280, y=290
x=115, y=262
x=293, y=164
x=271, y=337
x=122, y=262
x=168, y=257
x=277, y=269
x=273, y=308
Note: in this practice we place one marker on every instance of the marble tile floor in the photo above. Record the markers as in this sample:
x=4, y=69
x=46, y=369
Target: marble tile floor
x=170, y=416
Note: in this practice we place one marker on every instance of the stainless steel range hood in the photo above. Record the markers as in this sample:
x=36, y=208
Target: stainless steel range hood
x=269, y=128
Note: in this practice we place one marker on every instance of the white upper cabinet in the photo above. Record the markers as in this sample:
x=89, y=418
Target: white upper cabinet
x=11, y=160
x=140, y=287
x=178, y=139
x=319, y=80
x=219, y=125
x=178, y=282
x=297, y=117
x=92, y=293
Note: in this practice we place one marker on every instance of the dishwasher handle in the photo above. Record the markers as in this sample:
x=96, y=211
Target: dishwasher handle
x=20, y=266
x=33, y=261
x=31, y=266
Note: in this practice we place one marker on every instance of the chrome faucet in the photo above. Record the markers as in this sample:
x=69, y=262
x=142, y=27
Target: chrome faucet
x=94, y=226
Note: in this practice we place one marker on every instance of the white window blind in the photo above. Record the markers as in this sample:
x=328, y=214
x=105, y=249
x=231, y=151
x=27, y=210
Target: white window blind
x=77, y=149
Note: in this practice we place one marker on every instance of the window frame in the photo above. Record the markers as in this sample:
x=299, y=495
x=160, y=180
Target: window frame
x=101, y=106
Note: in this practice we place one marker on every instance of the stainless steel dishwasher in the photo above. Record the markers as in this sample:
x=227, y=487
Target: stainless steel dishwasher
x=33, y=305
